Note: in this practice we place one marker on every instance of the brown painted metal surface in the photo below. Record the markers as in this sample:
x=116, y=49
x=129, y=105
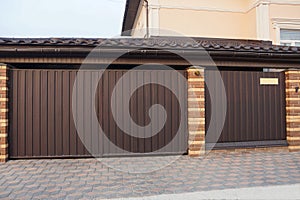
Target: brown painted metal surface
x=42, y=124
x=255, y=112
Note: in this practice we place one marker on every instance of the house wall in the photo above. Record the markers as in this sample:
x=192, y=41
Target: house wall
x=236, y=19
x=221, y=5
x=208, y=23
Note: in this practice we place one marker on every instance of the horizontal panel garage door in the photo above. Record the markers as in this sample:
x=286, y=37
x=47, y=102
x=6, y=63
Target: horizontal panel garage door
x=42, y=123
x=255, y=108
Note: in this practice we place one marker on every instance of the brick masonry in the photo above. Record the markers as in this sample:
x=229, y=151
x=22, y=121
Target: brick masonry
x=250, y=150
x=292, y=81
x=196, y=111
x=3, y=112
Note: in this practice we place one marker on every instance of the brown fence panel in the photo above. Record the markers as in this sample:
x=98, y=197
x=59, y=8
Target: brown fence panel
x=255, y=113
x=139, y=105
x=42, y=124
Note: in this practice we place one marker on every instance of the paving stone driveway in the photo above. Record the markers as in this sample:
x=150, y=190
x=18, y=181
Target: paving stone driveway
x=89, y=178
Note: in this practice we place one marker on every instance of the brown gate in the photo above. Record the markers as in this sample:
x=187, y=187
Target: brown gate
x=255, y=109
x=42, y=124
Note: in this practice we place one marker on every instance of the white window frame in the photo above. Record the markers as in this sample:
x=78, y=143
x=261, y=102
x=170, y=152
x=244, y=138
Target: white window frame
x=279, y=24
x=291, y=42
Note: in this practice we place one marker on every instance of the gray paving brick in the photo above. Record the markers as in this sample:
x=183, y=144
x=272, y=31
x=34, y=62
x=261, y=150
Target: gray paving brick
x=75, y=195
x=5, y=193
x=88, y=178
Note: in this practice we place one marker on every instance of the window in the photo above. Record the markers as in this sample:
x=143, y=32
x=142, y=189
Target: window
x=290, y=37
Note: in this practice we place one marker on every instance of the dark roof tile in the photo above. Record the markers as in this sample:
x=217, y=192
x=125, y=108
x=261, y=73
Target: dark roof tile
x=155, y=42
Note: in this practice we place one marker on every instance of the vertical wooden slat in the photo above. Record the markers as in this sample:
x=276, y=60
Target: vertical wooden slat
x=94, y=126
x=58, y=113
x=44, y=113
x=154, y=92
x=118, y=107
x=133, y=107
x=236, y=107
x=215, y=94
x=51, y=113
x=168, y=108
x=176, y=112
x=21, y=114
x=272, y=107
x=28, y=118
x=161, y=100
x=282, y=111
x=147, y=105
x=183, y=141
x=73, y=132
x=207, y=106
x=14, y=124
x=87, y=112
x=125, y=89
x=140, y=111
x=79, y=107
x=36, y=113
x=66, y=113
x=254, y=109
x=243, y=104
x=112, y=127
x=229, y=106
x=101, y=113
x=105, y=98
x=283, y=103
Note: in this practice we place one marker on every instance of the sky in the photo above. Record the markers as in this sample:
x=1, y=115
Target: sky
x=61, y=18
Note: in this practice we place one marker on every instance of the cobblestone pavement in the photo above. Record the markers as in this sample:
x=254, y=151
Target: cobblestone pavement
x=89, y=178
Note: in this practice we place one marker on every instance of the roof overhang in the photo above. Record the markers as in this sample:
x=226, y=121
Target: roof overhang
x=163, y=50
x=131, y=11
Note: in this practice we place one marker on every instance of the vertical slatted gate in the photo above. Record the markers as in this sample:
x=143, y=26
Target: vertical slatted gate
x=42, y=124
x=255, y=113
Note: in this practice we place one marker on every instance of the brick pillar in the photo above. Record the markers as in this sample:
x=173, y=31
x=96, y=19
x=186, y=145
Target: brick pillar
x=196, y=112
x=292, y=80
x=3, y=113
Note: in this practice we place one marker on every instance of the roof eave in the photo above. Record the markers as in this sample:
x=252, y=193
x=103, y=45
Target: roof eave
x=57, y=52
x=131, y=9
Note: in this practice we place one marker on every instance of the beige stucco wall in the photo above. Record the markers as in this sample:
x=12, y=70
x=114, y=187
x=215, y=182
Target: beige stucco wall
x=210, y=23
x=238, y=19
x=251, y=17
x=285, y=11
x=236, y=5
x=139, y=29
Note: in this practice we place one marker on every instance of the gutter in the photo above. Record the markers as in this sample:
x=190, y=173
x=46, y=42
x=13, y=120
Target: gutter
x=145, y=53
